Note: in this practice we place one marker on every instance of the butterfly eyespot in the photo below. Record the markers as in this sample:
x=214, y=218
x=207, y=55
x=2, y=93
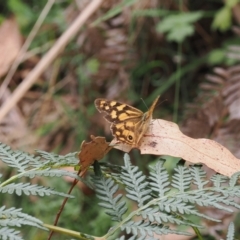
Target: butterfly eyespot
x=130, y=137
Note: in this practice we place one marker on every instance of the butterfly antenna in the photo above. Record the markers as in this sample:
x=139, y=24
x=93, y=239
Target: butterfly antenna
x=165, y=100
x=144, y=103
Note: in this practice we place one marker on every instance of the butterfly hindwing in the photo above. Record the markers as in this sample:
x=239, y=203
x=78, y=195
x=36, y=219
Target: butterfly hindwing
x=124, y=132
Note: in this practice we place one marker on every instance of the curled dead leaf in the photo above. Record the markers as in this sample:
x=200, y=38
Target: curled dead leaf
x=165, y=138
x=91, y=151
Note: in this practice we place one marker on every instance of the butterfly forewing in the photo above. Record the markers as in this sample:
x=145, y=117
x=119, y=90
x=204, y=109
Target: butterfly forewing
x=117, y=112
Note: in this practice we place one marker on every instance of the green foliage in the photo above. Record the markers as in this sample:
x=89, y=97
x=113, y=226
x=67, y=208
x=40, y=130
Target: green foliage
x=9, y=233
x=22, y=12
x=217, y=56
x=31, y=166
x=179, y=26
x=161, y=201
x=230, y=234
x=150, y=13
x=14, y=217
x=92, y=65
x=114, y=11
x=85, y=69
x=223, y=18
x=116, y=208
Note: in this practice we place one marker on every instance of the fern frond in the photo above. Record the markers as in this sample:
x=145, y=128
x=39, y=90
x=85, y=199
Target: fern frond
x=143, y=229
x=24, y=162
x=59, y=160
x=198, y=176
x=231, y=230
x=218, y=180
x=154, y=215
x=176, y=205
x=232, y=191
x=233, y=180
x=181, y=178
x=136, y=186
x=9, y=233
x=32, y=166
x=165, y=206
x=13, y=217
x=159, y=179
x=227, y=197
x=28, y=189
x=15, y=159
x=202, y=198
x=16, y=212
x=106, y=189
x=48, y=172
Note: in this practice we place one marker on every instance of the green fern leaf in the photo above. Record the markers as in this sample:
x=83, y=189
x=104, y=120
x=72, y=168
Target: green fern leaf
x=134, y=181
x=13, y=217
x=143, y=229
x=159, y=179
x=154, y=215
x=9, y=233
x=198, y=176
x=58, y=160
x=230, y=234
x=234, y=179
x=218, y=180
x=15, y=212
x=48, y=172
x=28, y=189
x=205, y=198
x=15, y=159
x=181, y=178
x=106, y=189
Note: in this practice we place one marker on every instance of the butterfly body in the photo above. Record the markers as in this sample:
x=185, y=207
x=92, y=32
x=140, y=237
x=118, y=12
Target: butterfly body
x=129, y=124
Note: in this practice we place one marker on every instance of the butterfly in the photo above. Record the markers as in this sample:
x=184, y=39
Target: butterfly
x=128, y=124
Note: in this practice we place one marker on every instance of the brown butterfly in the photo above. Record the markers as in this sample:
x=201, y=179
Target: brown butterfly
x=129, y=124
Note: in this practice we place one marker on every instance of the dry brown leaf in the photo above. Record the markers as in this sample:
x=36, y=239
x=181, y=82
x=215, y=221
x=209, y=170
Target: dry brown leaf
x=215, y=112
x=229, y=136
x=10, y=44
x=14, y=130
x=91, y=151
x=165, y=138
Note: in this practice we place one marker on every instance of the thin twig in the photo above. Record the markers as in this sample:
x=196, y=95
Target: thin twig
x=49, y=57
x=25, y=46
x=63, y=205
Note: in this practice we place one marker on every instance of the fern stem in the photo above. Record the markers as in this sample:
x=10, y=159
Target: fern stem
x=72, y=233
x=13, y=178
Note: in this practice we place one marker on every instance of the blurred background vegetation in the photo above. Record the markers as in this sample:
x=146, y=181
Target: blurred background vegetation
x=186, y=51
